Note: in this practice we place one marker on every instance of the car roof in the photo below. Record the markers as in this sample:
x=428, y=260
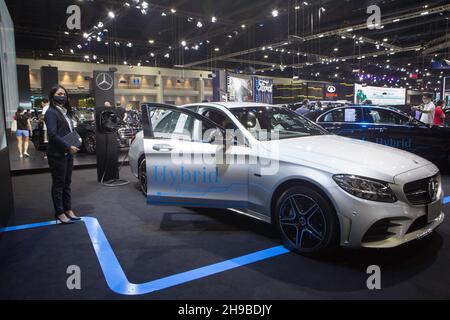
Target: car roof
x=233, y=105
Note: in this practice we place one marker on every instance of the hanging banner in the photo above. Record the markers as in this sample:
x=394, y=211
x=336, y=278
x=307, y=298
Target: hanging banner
x=240, y=89
x=263, y=90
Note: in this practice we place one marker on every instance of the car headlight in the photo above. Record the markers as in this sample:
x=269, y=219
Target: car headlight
x=365, y=188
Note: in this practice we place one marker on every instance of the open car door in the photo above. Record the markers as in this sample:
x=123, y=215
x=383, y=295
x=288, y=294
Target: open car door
x=186, y=161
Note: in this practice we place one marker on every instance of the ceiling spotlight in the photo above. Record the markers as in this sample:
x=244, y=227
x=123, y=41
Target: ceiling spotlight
x=266, y=57
x=100, y=24
x=216, y=49
x=336, y=49
x=139, y=64
x=79, y=46
x=85, y=35
x=275, y=13
x=94, y=57
x=173, y=11
x=151, y=41
x=167, y=56
x=213, y=19
x=163, y=14
x=86, y=57
x=126, y=4
x=66, y=33
x=50, y=54
x=71, y=51
x=199, y=24
x=297, y=8
x=111, y=14
x=152, y=55
x=183, y=43
x=125, y=63
x=243, y=26
x=144, y=5
x=129, y=44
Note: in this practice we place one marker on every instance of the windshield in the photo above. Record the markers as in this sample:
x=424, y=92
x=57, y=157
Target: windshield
x=84, y=115
x=262, y=122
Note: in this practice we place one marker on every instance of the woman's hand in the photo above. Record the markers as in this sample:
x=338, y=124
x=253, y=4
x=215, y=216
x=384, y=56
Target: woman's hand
x=74, y=150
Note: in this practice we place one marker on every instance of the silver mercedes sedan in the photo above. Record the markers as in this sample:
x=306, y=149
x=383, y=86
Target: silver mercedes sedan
x=319, y=190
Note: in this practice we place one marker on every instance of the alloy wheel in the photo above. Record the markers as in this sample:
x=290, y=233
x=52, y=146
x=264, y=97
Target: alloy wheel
x=90, y=144
x=303, y=222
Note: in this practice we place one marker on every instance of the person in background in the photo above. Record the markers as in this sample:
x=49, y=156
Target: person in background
x=360, y=97
x=108, y=104
x=121, y=112
x=304, y=109
x=23, y=132
x=59, y=121
x=45, y=105
x=130, y=115
x=427, y=109
x=439, y=115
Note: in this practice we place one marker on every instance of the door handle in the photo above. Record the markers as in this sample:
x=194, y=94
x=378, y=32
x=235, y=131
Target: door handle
x=162, y=147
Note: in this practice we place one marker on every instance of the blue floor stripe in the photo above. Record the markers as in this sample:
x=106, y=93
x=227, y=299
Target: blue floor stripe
x=117, y=280
x=28, y=226
x=446, y=200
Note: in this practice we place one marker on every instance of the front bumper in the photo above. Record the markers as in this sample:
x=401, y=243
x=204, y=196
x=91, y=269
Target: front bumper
x=372, y=224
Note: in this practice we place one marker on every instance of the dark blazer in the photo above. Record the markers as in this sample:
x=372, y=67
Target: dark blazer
x=57, y=128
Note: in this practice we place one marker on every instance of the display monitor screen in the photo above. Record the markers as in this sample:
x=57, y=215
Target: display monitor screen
x=379, y=95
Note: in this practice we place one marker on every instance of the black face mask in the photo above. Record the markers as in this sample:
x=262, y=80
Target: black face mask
x=60, y=100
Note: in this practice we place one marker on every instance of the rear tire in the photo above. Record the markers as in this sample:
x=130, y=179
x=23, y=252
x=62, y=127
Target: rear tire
x=306, y=221
x=142, y=176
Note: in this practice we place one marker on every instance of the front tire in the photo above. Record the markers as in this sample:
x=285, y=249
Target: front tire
x=306, y=221
x=90, y=143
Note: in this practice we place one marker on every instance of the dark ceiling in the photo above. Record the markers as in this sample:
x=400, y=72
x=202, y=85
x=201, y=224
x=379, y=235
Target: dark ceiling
x=287, y=45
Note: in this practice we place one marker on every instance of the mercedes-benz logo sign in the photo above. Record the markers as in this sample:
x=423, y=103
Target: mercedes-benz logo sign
x=104, y=81
x=331, y=89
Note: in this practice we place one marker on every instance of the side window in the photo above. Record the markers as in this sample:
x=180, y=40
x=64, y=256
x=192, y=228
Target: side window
x=177, y=125
x=343, y=115
x=219, y=118
x=381, y=116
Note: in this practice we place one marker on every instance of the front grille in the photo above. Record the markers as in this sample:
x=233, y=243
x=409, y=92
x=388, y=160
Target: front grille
x=379, y=231
x=418, y=224
x=127, y=133
x=419, y=192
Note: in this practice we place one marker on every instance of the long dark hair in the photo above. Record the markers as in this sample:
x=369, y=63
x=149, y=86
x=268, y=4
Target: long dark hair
x=52, y=102
x=19, y=111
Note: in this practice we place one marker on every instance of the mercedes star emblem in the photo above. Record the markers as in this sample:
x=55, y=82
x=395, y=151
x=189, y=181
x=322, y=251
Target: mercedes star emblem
x=104, y=81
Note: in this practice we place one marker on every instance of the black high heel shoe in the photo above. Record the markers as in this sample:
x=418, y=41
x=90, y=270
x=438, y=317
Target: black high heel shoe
x=73, y=219
x=63, y=222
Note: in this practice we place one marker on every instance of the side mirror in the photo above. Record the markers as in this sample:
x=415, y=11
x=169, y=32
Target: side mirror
x=212, y=135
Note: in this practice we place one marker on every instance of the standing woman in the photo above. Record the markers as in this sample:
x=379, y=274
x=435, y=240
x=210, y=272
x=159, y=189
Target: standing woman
x=23, y=132
x=58, y=120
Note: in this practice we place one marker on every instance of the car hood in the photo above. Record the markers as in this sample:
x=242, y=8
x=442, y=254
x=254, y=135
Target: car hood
x=337, y=154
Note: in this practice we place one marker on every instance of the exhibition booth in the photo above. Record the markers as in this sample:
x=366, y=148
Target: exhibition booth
x=157, y=150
